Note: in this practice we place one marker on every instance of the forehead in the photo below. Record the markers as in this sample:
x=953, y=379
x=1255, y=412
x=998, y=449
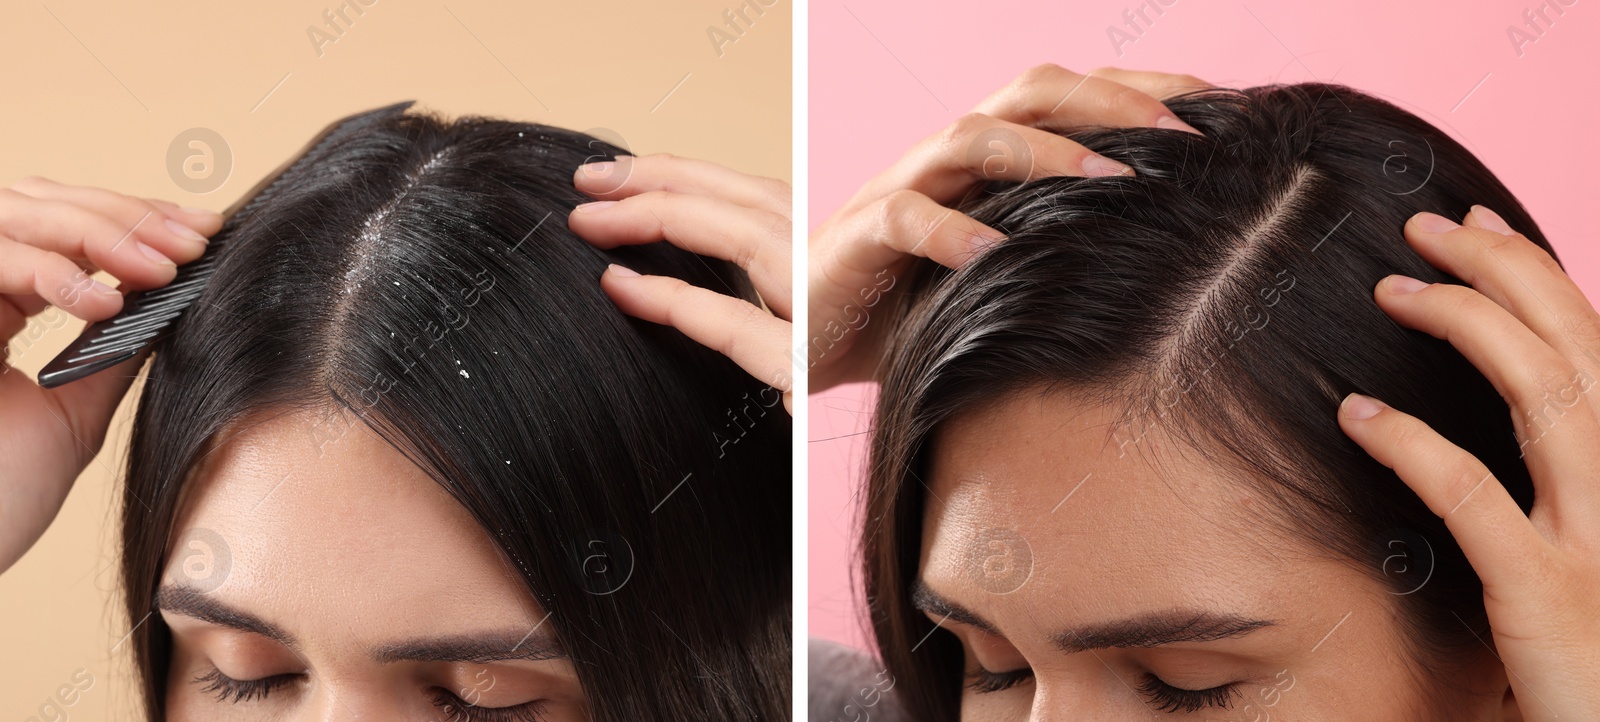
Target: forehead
x=315, y=523
x=1044, y=494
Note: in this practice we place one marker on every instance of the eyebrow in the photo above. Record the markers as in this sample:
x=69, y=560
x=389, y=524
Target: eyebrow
x=191, y=602
x=529, y=646
x=1143, y=631
x=535, y=645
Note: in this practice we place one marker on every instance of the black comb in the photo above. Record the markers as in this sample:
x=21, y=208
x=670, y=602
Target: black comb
x=146, y=315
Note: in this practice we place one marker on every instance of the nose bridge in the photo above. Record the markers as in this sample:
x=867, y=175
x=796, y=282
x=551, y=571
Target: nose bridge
x=357, y=702
x=1070, y=708
x=1080, y=695
x=1055, y=705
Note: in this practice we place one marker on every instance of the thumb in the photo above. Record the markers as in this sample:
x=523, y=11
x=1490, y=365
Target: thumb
x=40, y=463
x=90, y=402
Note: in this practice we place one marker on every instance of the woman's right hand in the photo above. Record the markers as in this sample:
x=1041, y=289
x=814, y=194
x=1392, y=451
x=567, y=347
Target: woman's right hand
x=859, y=252
x=52, y=236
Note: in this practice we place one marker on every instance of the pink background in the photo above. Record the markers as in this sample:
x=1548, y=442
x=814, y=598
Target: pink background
x=885, y=73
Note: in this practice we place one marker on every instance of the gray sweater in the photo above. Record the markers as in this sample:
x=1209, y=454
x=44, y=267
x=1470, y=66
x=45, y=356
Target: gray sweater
x=848, y=685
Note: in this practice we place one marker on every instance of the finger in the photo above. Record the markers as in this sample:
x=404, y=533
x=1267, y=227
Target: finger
x=1050, y=96
x=1553, y=418
x=1486, y=522
x=207, y=222
x=1516, y=274
x=31, y=271
x=866, y=253
x=630, y=176
x=755, y=340
x=1160, y=86
x=979, y=147
x=903, y=223
x=78, y=233
x=154, y=226
x=65, y=428
x=16, y=310
x=89, y=403
x=758, y=241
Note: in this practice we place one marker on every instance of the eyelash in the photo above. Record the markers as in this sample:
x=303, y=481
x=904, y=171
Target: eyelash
x=460, y=710
x=1165, y=697
x=1168, y=698
x=224, y=687
x=228, y=689
x=983, y=681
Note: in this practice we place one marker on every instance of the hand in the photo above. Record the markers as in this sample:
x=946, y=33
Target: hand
x=860, y=251
x=1531, y=332
x=52, y=236
x=713, y=211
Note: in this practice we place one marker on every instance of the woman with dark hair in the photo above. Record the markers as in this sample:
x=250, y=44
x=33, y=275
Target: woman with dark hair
x=404, y=458
x=1129, y=457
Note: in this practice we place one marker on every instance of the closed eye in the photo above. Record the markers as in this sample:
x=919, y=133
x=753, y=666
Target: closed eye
x=1167, y=698
x=983, y=681
x=1162, y=696
x=228, y=689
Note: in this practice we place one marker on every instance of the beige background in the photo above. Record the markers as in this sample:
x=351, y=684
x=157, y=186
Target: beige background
x=95, y=91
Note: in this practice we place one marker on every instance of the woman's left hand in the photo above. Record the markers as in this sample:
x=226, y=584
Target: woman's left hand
x=1528, y=328
x=713, y=211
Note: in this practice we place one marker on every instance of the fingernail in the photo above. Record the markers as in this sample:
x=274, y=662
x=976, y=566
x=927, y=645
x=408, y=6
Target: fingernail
x=593, y=206
x=596, y=170
x=184, y=231
x=1491, y=220
x=1360, y=407
x=1400, y=285
x=1097, y=166
x=621, y=271
x=1172, y=123
x=1434, y=223
x=102, y=288
x=153, y=254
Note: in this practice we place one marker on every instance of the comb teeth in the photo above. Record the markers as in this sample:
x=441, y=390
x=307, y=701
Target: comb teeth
x=144, y=316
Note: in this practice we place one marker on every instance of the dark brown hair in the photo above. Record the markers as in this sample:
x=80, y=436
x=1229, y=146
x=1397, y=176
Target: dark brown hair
x=1224, y=293
x=404, y=249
